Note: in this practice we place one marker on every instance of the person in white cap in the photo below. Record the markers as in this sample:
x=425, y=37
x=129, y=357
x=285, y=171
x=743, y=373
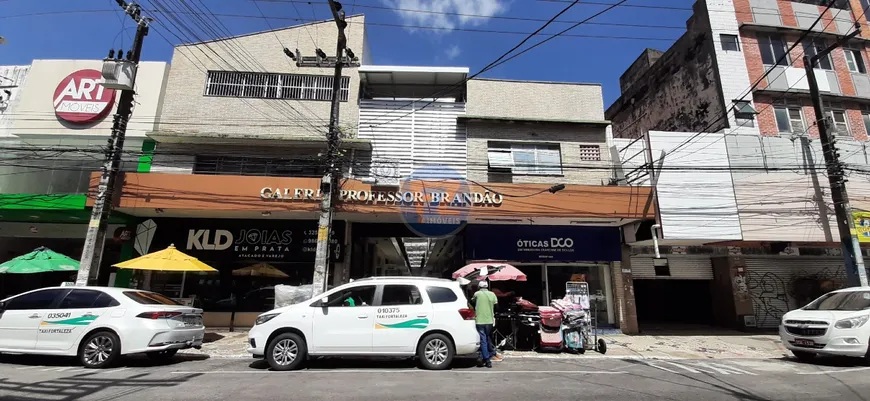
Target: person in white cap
x=484, y=311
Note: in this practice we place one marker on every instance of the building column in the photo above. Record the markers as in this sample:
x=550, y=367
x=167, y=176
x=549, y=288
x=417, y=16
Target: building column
x=608, y=292
x=731, y=299
x=624, y=289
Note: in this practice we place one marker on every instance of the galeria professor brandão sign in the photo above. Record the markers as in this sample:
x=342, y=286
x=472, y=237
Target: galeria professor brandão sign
x=388, y=197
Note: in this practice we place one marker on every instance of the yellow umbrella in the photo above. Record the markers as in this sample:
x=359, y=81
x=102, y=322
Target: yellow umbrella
x=169, y=260
x=260, y=270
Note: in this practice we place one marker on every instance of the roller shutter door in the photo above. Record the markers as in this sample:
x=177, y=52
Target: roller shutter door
x=681, y=268
x=775, y=283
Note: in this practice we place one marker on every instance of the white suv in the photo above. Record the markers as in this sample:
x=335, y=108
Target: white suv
x=379, y=316
x=834, y=324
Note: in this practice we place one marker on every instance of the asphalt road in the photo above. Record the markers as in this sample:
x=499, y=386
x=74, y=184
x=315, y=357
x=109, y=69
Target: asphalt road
x=38, y=378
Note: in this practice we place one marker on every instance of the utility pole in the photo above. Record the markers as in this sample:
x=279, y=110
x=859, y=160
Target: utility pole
x=329, y=180
x=817, y=189
x=854, y=261
x=92, y=254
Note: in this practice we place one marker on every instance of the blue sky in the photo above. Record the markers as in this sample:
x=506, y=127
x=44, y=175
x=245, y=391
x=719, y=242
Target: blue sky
x=83, y=29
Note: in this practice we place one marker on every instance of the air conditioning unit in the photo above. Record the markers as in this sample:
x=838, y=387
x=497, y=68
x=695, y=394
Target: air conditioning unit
x=118, y=74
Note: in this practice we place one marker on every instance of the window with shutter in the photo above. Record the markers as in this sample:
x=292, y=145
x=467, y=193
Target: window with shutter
x=797, y=121
x=522, y=158
x=264, y=85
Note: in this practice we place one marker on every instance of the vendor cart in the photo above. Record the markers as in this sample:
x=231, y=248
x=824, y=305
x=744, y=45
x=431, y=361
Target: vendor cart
x=581, y=331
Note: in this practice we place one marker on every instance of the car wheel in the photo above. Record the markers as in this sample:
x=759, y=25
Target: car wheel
x=162, y=356
x=286, y=352
x=100, y=350
x=435, y=352
x=804, y=356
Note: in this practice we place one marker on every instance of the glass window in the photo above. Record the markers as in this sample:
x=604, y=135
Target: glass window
x=149, y=298
x=42, y=299
x=105, y=301
x=356, y=296
x=743, y=109
x=440, y=295
x=401, y=295
x=841, y=126
x=773, y=50
x=813, y=47
x=855, y=61
x=789, y=119
x=264, y=85
x=80, y=299
x=845, y=301
x=729, y=42
x=866, y=118
x=524, y=158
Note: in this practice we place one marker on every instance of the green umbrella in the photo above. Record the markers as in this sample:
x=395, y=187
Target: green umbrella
x=41, y=260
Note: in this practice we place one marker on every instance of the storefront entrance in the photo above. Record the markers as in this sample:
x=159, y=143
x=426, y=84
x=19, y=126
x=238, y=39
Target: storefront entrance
x=551, y=256
x=393, y=249
x=675, y=296
x=251, y=256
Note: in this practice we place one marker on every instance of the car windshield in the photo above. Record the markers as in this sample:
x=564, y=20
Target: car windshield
x=846, y=301
x=149, y=298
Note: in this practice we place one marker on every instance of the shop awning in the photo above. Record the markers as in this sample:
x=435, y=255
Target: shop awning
x=385, y=81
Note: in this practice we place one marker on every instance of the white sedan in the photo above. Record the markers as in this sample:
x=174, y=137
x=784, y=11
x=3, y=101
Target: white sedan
x=834, y=324
x=97, y=324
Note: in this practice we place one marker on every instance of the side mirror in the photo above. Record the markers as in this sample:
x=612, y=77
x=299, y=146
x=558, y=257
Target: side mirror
x=324, y=301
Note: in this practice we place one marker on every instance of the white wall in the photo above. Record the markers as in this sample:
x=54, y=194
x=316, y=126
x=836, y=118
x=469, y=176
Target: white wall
x=694, y=188
x=406, y=138
x=732, y=70
x=35, y=111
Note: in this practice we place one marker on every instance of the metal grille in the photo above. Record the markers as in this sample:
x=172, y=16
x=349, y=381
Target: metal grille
x=590, y=153
x=816, y=322
x=262, y=85
x=682, y=267
x=806, y=331
x=771, y=280
x=225, y=165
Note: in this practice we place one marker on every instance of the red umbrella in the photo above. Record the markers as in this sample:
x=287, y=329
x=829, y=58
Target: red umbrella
x=496, y=271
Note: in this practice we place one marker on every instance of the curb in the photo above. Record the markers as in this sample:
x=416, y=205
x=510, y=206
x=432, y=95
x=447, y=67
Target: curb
x=543, y=357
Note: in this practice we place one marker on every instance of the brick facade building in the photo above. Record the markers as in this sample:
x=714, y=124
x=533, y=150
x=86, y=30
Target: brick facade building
x=734, y=43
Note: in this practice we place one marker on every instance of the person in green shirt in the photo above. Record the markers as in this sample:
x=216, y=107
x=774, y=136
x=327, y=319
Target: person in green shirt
x=484, y=310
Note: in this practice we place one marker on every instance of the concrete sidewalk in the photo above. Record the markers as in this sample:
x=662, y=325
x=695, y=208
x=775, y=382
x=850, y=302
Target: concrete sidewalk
x=728, y=345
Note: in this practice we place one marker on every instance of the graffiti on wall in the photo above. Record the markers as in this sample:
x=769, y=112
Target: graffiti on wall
x=741, y=289
x=774, y=294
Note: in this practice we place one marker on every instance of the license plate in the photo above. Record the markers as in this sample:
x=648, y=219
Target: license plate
x=804, y=343
x=192, y=321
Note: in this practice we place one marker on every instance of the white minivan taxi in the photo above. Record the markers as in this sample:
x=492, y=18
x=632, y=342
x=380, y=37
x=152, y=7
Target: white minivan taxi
x=381, y=316
x=97, y=324
x=834, y=324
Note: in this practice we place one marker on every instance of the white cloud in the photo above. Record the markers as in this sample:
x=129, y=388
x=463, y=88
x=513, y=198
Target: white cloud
x=452, y=52
x=434, y=12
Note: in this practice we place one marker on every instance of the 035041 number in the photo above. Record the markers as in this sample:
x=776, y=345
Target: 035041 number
x=388, y=310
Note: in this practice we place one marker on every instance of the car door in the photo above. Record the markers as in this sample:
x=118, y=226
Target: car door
x=344, y=324
x=65, y=324
x=21, y=317
x=401, y=317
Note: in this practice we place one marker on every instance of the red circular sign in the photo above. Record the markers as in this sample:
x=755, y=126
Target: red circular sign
x=81, y=99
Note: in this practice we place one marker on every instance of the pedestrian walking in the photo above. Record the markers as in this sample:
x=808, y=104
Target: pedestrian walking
x=484, y=310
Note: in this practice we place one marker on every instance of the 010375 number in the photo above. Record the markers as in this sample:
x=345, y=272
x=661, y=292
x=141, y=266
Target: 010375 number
x=388, y=310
